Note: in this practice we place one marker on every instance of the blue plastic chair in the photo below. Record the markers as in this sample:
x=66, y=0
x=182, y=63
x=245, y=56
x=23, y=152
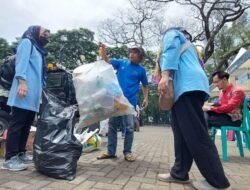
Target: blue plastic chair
x=244, y=128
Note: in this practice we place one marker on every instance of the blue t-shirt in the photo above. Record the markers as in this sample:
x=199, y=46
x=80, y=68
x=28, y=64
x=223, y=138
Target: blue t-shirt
x=129, y=76
x=188, y=73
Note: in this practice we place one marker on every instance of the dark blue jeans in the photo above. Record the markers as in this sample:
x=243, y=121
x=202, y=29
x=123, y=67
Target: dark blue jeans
x=127, y=121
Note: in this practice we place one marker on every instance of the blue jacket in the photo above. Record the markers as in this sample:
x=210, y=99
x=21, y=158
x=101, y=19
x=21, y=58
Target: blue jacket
x=29, y=67
x=188, y=73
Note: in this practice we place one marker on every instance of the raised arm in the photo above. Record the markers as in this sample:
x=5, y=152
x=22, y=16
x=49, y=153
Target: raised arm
x=102, y=52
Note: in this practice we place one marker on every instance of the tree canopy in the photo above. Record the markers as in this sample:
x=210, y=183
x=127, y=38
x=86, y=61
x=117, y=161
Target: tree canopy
x=143, y=23
x=5, y=48
x=72, y=47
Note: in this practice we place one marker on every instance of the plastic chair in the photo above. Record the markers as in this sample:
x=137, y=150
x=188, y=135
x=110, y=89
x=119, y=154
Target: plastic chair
x=244, y=128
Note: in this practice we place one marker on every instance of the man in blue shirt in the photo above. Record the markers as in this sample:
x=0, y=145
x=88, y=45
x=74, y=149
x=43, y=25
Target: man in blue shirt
x=191, y=139
x=130, y=74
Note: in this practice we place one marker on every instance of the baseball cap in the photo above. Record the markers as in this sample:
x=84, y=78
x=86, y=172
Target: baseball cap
x=138, y=49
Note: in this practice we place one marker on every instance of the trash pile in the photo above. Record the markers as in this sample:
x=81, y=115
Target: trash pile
x=90, y=140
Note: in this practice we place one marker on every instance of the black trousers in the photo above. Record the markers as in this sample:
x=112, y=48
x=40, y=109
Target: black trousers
x=192, y=142
x=220, y=119
x=18, y=131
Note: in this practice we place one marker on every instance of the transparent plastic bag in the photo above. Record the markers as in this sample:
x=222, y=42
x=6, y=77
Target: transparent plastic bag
x=98, y=93
x=104, y=126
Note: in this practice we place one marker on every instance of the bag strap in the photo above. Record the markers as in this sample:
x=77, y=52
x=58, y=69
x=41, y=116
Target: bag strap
x=185, y=47
x=31, y=47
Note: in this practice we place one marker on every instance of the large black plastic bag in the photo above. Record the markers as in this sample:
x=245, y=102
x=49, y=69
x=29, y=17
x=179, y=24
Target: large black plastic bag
x=56, y=150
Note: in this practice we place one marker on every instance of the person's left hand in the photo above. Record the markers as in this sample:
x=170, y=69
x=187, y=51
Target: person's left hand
x=145, y=103
x=22, y=89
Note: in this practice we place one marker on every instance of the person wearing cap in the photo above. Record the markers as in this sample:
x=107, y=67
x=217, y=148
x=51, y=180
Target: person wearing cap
x=130, y=74
x=191, y=90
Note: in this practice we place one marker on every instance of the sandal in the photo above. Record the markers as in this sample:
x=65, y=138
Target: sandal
x=129, y=157
x=106, y=156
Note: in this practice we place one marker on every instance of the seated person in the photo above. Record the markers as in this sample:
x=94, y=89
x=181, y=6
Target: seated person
x=228, y=110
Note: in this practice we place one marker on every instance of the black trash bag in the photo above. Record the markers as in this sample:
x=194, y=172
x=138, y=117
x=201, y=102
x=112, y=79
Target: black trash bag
x=56, y=150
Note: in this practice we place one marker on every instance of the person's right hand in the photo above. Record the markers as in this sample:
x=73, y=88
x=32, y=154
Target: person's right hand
x=101, y=45
x=102, y=52
x=22, y=88
x=101, y=48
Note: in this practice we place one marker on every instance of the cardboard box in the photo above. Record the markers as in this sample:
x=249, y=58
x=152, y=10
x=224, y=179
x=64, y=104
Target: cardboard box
x=2, y=148
x=2, y=144
x=30, y=142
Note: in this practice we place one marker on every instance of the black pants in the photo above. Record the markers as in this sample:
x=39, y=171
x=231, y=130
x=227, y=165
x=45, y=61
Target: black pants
x=192, y=142
x=220, y=119
x=18, y=131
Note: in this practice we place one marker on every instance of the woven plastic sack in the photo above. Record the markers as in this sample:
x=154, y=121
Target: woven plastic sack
x=98, y=93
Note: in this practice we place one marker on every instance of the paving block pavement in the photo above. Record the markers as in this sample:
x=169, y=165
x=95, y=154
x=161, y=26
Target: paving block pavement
x=153, y=147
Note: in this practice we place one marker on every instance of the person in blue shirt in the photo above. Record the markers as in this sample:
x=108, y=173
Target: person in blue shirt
x=25, y=94
x=130, y=74
x=191, y=90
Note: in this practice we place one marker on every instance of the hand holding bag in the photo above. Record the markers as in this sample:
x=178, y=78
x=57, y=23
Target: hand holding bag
x=166, y=101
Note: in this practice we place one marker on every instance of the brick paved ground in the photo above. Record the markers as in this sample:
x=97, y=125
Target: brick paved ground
x=154, y=149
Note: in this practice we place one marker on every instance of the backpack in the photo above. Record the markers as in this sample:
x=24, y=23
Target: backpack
x=7, y=71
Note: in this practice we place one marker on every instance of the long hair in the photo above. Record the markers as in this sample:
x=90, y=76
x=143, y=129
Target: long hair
x=157, y=70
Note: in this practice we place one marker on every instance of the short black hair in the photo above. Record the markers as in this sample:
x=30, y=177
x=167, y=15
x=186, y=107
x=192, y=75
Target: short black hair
x=221, y=74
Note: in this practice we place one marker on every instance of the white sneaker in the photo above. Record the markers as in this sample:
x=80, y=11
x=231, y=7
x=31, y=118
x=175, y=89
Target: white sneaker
x=204, y=185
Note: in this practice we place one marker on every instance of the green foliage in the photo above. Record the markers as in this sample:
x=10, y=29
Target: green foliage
x=72, y=47
x=230, y=39
x=5, y=48
x=117, y=52
x=159, y=117
x=149, y=61
x=241, y=29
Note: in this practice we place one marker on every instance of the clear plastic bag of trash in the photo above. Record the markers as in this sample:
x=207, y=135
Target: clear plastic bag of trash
x=98, y=93
x=56, y=149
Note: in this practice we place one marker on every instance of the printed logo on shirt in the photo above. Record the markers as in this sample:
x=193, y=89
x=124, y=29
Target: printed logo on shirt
x=135, y=74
